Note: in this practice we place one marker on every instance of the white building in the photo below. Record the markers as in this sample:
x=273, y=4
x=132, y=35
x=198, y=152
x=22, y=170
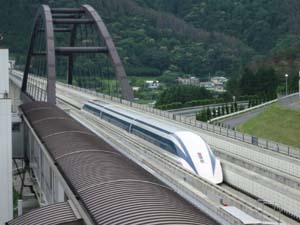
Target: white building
x=208, y=85
x=189, y=81
x=6, y=196
x=219, y=80
x=152, y=84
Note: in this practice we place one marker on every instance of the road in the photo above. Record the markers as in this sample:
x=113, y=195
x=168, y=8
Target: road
x=292, y=102
x=192, y=111
x=239, y=119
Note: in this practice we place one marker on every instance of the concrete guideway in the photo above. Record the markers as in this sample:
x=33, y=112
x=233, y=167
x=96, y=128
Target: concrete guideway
x=270, y=191
x=196, y=190
x=64, y=97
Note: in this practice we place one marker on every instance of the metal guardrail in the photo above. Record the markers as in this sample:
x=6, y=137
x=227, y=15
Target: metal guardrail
x=200, y=107
x=240, y=136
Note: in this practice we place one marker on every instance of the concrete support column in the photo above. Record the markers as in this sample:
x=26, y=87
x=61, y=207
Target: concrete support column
x=6, y=196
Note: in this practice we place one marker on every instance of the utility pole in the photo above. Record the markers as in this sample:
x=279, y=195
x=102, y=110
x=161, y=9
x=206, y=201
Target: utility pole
x=286, y=84
x=299, y=86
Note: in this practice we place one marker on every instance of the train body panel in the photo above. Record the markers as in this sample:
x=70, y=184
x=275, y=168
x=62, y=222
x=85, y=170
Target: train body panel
x=187, y=148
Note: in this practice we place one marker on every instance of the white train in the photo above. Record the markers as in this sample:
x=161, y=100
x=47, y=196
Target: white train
x=187, y=148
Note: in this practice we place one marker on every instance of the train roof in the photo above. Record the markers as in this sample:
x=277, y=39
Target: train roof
x=144, y=118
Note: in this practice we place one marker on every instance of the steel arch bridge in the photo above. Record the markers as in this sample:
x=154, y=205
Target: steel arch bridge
x=79, y=37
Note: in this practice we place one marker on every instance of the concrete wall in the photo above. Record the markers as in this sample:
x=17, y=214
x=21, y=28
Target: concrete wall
x=4, y=81
x=6, y=203
x=46, y=185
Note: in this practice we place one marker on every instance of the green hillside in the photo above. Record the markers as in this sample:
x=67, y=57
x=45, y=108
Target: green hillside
x=276, y=123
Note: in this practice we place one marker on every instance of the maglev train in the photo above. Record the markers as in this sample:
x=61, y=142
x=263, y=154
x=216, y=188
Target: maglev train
x=186, y=148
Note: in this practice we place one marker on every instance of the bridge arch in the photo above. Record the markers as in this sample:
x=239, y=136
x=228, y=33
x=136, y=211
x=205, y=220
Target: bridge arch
x=44, y=48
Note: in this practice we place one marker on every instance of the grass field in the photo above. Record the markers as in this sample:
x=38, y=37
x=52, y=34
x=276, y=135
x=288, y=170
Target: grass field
x=275, y=123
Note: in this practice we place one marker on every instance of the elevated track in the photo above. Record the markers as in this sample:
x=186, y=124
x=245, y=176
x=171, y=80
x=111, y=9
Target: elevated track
x=74, y=99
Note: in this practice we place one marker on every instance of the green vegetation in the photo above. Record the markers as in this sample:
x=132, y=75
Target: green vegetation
x=264, y=83
x=213, y=112
x=276, y=123
x=182, y=94
x=16, y=196
x=259, y=24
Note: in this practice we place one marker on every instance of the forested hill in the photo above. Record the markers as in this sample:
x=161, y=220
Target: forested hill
x=259, y=24
x=173, y=37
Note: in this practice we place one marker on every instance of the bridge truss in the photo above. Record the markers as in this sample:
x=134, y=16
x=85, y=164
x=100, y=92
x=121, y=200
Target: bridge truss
x=72, y=46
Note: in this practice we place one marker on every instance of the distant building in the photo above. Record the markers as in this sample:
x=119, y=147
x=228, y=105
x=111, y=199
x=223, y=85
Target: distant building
x=208, y=85
x=214, y=84
x=189, y=81
x=152, y=84
x=219, y=83
x=219, y=80
x=12, y=64
x=135, y=88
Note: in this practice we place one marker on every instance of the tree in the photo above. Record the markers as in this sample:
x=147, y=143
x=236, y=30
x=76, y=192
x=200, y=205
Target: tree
x=223, y=110
x=235, y=107
x=219, y=111
x=267, y=80
x=208, y=113
x=227, y=109
x=183, y=94
x=248, y=82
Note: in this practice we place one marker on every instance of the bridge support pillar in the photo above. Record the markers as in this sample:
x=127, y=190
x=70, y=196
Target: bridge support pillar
x=6, y=199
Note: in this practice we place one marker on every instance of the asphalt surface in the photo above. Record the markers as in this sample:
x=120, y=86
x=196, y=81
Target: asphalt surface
x=239, y=119
x=292, y=102
x=192, y=111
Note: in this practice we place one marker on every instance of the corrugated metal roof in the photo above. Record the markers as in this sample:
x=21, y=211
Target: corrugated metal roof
x=113, y=189
x=55, y=214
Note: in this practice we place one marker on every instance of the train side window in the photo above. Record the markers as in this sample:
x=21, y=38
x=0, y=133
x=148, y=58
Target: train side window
x=155, y=139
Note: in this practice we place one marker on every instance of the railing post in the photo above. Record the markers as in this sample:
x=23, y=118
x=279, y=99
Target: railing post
x=20, y=207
